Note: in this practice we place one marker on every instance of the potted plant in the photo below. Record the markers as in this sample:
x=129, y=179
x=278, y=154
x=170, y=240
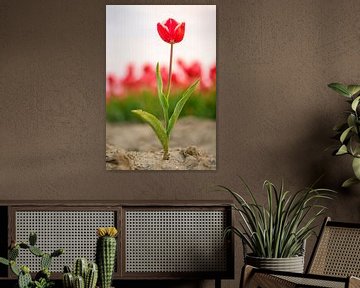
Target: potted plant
x=275, y=233
x=348, y=133
x=42, y=278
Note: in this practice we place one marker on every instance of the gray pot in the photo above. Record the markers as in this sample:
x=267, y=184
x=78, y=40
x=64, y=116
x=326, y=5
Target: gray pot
x=291, y=264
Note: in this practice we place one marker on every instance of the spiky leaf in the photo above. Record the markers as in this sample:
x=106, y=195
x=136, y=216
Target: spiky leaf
x=155, y=124
x=349, y=182
x=164, y=102
x=340, y=88
x=180, y=105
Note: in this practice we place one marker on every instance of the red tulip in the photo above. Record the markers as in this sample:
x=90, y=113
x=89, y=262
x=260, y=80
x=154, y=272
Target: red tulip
x=212, y=73
x=171, y=31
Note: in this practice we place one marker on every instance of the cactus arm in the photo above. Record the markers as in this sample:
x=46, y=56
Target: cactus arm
x=80, y=268
x=68, y=280
x=91, y=276
x=79, y=282
x=45, y=261
x=57, y=253
x=32, y=239
x=36, y=251
x=13, y=253
x=24, y=280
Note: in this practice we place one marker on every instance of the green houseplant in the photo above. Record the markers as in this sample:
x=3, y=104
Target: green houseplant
x=275, y=233
x=348, y=132
x=42, y=278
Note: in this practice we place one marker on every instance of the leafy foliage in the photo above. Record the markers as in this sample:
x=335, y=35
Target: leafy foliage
x=279, y=229
x=163, y=132
x=348, y=132
x=42, y=278
x=201, y=104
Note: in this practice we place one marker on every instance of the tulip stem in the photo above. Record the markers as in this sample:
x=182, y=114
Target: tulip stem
x=170, y=71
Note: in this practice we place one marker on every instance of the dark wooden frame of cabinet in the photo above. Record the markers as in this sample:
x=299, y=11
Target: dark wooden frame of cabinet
x=7, y=217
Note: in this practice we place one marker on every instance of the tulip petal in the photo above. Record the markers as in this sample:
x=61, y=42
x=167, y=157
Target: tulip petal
x=171, y=24
x=179, y=32
x=163, y=32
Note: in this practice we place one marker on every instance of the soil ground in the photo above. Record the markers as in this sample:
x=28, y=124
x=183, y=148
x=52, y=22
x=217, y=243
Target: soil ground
x=135, y=146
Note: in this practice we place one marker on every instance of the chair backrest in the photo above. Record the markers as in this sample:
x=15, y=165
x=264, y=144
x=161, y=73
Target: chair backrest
x=337, y=251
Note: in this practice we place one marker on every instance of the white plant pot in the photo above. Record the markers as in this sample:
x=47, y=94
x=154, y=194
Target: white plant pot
x=291, y=264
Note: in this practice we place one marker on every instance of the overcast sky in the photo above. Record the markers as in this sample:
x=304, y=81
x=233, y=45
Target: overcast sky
x=131, y=35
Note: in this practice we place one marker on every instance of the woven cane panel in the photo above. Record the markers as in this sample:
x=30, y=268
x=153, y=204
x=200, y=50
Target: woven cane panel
x=338, y=253
x=306, y=282
x=175, y=241
x=74, y=231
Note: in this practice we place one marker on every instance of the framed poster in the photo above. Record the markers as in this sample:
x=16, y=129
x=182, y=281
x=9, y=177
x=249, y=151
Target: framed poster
x=160, y=87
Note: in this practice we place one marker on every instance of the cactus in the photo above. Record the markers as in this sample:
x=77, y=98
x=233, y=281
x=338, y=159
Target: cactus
x=91, y=276
x=106, y=254
x=68, y=280
x=14, y=268
x=13, y=253
x=32, y=238
x=42, y=278
x=24, y=280
x=36, y=251
x=88, y=273
x=79, y=282
x=45, y=261
x=80, y=268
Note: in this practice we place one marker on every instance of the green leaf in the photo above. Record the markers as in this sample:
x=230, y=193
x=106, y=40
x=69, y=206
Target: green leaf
x=345, y=134
x=355, y=103
x=155, y=125
x=164, y=102
x=14, y=268
x=342, y=150
x=349, y=182
x=353, y=89
x=340, y=88
x=4, y=261
x=356, y=167
x=180, y=105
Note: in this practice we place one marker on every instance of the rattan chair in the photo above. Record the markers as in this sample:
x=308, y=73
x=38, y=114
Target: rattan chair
x=334, y=263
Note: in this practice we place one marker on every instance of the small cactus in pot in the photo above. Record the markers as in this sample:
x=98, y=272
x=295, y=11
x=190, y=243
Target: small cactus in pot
x=85, y=275
x=106, y=254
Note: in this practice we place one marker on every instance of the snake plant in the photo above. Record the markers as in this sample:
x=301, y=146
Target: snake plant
x=279, y=228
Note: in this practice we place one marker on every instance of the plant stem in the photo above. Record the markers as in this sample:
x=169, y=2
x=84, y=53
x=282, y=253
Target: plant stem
x=166, y=150
x=170, y=71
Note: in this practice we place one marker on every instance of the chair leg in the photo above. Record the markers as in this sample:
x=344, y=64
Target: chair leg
x=246, y=273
